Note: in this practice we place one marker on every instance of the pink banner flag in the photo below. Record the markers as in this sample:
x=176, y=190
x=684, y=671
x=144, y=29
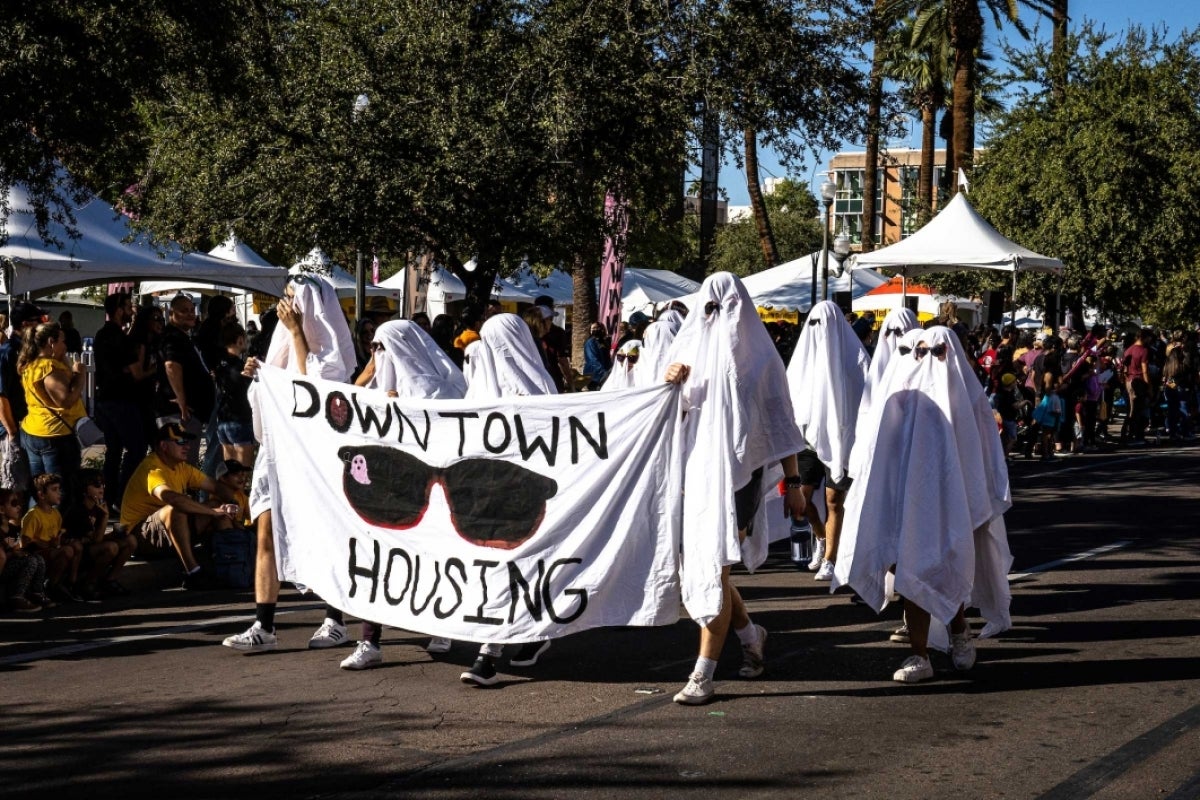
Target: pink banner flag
x=612, y=271
x=374, y=269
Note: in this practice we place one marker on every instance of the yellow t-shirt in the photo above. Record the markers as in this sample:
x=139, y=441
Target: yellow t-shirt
x=243, y=501
x=41, y=526
x=139, y=501
x=43, y=421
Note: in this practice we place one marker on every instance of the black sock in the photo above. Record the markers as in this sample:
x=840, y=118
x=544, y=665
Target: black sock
x=334, y=614
x=265, y=614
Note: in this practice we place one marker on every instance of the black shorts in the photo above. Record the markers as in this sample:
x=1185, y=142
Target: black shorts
x=813, y=472
x=747, y=498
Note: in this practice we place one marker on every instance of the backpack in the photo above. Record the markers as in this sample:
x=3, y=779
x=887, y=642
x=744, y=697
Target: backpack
x=233, y=554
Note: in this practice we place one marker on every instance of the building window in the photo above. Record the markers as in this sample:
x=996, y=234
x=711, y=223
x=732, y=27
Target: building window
x=848, y=205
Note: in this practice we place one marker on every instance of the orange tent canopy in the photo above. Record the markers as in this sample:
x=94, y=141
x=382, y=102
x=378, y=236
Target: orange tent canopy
x=896, y=286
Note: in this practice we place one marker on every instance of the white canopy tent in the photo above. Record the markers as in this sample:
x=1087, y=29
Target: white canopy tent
x=318, y=261
x=957, y=239
x=557, y=285
x=99, y=253
x=789, y=286
x=643, y=289
x=445, y=287
x=233, y=250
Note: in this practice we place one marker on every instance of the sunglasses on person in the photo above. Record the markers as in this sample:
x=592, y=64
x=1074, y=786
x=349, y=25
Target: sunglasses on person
x=920, y=351
x=710, y=307
x=814, y=322
x=631, y=357
x=376, y=347
x=893, y=332
x=492, y=503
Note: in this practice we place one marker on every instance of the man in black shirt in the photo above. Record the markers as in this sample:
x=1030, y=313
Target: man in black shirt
x=117, y=412
x=186, y=391
x=557, y=347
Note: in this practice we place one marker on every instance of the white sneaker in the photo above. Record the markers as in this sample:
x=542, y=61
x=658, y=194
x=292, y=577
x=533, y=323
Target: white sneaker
x=825, y=573
x=818, y=556
x=962, y=650
x=253, y=640
x=914, y=670
x=330, y=634
x=363, y=656
x=439, y=644
x=753, y=658
x=699, y=690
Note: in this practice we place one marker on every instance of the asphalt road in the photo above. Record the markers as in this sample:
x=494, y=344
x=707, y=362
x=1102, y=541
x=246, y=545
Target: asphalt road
x=1095, y=692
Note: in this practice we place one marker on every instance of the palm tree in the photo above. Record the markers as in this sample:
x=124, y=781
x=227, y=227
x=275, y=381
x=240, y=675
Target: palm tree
x=965, y=22
x=762, y=220
x=1058, y=50
x=883, y=15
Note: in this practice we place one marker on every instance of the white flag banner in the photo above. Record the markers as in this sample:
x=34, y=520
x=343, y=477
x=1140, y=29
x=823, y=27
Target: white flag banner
x=503, y=521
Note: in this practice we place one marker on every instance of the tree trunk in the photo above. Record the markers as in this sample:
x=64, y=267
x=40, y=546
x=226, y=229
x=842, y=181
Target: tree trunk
x=583, y=308
x=762, y=221
x=946, y=129
x=966, y=34
x=874, y=124
x=925, y=177
x=1058, y=52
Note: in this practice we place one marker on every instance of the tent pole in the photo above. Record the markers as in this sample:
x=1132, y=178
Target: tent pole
x=1013, y=321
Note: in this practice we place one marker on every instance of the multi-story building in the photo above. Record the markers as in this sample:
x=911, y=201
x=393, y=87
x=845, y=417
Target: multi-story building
x=895, y=195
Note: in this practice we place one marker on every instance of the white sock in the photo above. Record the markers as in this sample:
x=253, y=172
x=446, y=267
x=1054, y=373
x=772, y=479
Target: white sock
x=706, y=667
x=748, y=635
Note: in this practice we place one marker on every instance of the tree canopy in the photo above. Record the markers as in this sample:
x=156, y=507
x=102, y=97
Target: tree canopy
x=1105, y=178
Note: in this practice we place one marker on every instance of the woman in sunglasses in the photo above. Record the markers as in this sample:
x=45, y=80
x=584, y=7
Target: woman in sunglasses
x=928, y=501
x=739, y=424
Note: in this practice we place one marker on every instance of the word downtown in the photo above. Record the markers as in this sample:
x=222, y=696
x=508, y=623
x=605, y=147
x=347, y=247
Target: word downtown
x=496, y=432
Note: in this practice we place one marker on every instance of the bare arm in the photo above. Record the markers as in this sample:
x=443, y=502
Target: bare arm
x=181, y=502
x=174, y=372
x=136, y=369
x=63, y=388
x=290, y=319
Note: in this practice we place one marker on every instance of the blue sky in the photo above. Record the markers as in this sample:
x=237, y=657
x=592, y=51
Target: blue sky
x=1114, y=15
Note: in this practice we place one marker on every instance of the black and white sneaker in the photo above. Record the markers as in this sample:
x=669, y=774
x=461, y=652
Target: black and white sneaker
x=481, y=673
x=331, y=634
x=529, y=653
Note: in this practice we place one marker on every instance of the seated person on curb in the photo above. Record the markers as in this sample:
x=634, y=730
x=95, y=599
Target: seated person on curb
x=157, y=508
x=233, y=475
x=41, y=533
x=104, y=553
x=22, y=574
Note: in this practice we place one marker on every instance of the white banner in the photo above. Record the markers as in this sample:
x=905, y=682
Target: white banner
x=511, y=521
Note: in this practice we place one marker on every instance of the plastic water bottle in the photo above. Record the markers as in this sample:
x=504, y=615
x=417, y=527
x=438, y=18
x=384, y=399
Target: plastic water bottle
x=88, y=357
x=801, y=543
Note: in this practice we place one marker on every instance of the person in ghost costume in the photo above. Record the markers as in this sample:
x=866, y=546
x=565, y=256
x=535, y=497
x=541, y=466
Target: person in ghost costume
x=406, y=362
x=898, y=322
x=624, y=363
x=943, y=532
x=505, y=362
x=656, y=344
x=826, y=375
x=312, y=338
x=738, y=422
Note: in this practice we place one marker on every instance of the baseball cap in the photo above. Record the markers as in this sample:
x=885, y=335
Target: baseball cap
x=547, y=313
x=231, y=466
x=23, y=312
x=1008, y=379
x=174, y=432
x=544, y=300
x=638, y=318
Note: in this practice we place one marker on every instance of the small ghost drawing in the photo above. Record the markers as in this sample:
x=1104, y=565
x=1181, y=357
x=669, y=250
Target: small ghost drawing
x=358, y=470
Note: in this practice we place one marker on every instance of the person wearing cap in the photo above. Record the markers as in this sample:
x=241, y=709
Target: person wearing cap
x=157, y=509
x=636, y=327
x=1010, y=405
x=557, y=345
x=14, y=465
x=233, y=474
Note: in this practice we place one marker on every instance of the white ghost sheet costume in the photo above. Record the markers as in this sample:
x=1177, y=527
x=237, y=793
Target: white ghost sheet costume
x=739, y=418
x=506, y=361
x=330, y=356
x=826, y=376
x=898, y=322
x=930, y=493
x=656, y=344
x=413, y=365
x=621, y=374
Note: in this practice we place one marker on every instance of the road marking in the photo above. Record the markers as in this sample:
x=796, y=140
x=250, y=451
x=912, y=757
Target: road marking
x=1049, y=565
x=1101, y=772
x=83, y=647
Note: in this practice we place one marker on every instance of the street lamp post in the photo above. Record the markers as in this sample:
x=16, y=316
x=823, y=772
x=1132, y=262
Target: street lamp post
x=828, y=192
x=361, y=102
